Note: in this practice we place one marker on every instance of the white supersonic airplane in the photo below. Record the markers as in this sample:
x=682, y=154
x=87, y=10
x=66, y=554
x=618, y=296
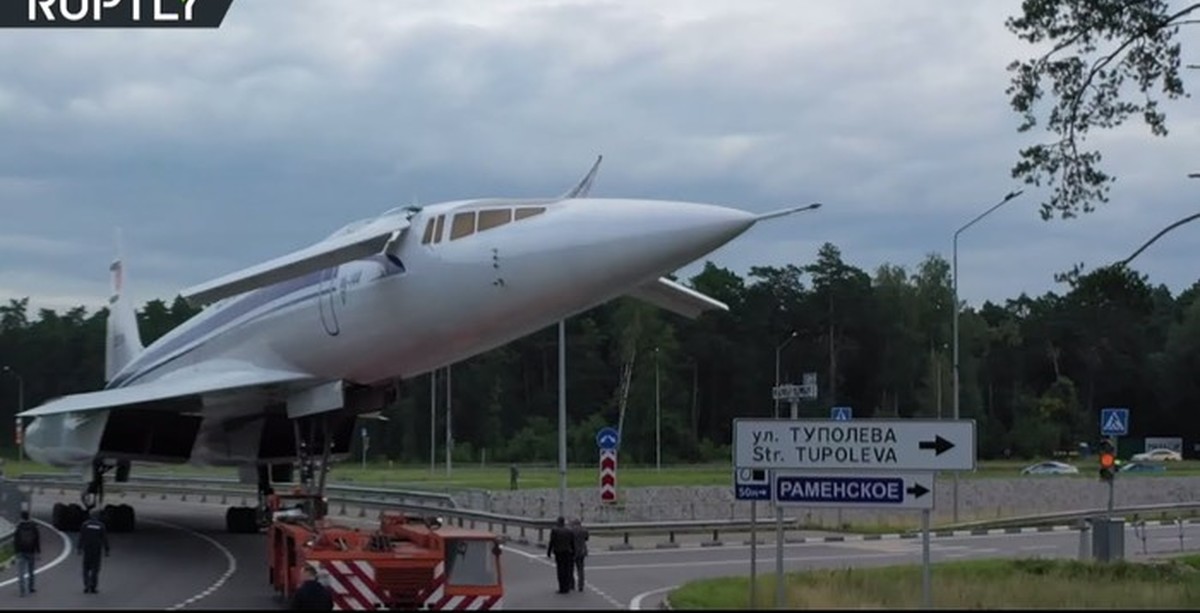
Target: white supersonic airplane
x=288, y=353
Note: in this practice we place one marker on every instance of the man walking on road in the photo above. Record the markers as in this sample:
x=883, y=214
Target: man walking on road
x=27, y=543
x=312, y=595
x=92, y=538
x=562, y=547
x=579, y=538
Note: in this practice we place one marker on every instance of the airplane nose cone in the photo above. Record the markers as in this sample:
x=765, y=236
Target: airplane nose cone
x=636, y=240
x=676, y=233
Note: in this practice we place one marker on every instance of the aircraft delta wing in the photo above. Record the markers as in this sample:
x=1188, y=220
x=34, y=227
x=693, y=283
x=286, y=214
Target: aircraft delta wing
x=182, y=390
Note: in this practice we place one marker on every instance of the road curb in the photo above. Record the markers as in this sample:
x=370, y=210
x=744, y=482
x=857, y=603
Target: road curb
x=851, y=538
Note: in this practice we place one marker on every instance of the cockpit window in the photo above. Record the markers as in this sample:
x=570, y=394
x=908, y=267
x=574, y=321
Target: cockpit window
x=493, y=218
x=464, y=225
x=428, y=238
x=437, y=232
x=529, y=211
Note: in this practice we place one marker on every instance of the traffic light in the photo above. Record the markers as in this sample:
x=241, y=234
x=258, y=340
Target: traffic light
x=1108, y=460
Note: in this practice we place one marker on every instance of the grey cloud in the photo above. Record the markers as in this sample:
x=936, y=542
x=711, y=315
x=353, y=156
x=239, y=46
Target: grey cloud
x=218, y=149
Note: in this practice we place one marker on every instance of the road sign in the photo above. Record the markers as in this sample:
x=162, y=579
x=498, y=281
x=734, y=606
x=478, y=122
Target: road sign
x=840, y=413
x=751, y=484
x=1114, y=422
x=890, y=490
x=608, y=475
x=607, y=438
x=867, y=444
x=792, y=392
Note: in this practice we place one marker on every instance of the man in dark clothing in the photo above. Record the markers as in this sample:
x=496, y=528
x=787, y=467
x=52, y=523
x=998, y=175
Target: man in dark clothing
x=562, y=547
x=579, y=538
x=311, y=595
x=92, y=538
x=27, y=543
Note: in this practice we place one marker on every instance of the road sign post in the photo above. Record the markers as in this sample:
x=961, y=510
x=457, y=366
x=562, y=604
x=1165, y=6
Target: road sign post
x=607, y=440
x=1114, y=422
x=839, y=463
x=870, y=444
x=886, y=490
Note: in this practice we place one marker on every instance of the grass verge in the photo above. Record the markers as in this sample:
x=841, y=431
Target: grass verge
x=976, y=584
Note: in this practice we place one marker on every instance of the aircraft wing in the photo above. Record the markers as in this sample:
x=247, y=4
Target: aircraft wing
x=167, y=392
x=676, y=298
x=362, y=242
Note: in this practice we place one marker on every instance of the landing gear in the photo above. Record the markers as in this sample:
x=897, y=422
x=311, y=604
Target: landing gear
x=249, y=520
x=117, y=518
x=316, y=435
x=309, y=497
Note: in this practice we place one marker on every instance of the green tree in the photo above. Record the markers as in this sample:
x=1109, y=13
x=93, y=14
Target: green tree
x=1095, y=50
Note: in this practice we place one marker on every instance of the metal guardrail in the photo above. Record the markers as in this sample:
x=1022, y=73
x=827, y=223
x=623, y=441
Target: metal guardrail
x=343, y=498
x=445, y=500
x=339, y=504
x=1073, y=516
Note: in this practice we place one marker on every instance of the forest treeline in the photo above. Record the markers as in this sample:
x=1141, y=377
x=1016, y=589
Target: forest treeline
x=1034, y=371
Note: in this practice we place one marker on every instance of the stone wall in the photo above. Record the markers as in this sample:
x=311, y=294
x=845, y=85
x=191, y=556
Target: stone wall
x=979, y=499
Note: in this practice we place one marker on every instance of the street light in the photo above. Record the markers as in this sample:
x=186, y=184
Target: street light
x=20, y=408
x=778, y=349
x=1008, y=197
x=1126, y=261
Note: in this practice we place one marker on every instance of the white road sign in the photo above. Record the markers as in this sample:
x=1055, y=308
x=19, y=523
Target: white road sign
x=868, y=444
x=884, y=489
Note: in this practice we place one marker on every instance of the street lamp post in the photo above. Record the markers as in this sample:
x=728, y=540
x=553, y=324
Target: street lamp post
x=1008, y=197
x=657, y=417
x=778, y=350
x=1187, y=219
x=20, y=409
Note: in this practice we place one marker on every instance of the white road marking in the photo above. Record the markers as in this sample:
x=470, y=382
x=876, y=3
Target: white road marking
x=636, y=603
x=55, y=562
x=588, y=584
x=231, y=563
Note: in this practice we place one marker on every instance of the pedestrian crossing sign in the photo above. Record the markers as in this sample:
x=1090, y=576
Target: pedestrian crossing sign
x=1114, y=422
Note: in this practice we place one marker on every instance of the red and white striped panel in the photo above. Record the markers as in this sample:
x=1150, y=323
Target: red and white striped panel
x=353, y=584
x=438, y=600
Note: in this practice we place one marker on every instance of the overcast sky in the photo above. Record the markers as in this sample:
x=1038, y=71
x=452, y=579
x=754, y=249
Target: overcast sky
x=216, y=149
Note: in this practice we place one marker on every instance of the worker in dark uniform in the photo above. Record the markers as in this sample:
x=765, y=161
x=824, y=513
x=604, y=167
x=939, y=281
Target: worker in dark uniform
x=562, y=547
x=580, y=535
x=92, y=538
x=311, y=595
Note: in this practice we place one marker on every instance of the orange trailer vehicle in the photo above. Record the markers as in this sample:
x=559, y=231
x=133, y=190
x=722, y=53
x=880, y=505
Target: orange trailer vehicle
x=407, y=563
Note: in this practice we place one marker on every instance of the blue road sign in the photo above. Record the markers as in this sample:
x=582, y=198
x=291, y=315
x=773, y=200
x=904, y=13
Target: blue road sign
x=1114, y=422
x=898, y=490
x=607, y=438
x=751, y=484
x=840, y=413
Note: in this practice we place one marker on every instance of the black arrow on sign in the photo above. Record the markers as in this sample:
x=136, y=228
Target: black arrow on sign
x=917, y=490
x=938, y=444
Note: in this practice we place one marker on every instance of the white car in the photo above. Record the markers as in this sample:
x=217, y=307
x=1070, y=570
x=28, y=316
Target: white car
x=1050, y=468
x=1158, y=455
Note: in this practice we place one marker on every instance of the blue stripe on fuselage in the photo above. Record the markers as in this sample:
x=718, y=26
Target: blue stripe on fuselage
x=201, y=328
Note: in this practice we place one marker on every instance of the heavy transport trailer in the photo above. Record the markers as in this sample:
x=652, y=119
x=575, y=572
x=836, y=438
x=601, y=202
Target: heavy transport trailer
x=408, y=562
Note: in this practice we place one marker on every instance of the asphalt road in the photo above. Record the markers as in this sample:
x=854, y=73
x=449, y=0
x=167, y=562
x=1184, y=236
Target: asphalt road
x=181, y=558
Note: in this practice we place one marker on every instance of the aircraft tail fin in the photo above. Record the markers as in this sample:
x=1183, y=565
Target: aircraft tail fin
x=123, y=341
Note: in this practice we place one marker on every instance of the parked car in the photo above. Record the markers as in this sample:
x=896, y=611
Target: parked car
x=1158, y=455
x=1050, y=468
x=1142, y=467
